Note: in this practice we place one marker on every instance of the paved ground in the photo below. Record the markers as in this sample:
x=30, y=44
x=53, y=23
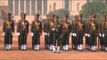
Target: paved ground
x=16, y=54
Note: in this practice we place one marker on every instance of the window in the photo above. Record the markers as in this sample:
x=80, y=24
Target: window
x=16, y=7
x=21, y=6
x=66, y=4
x=32, y=7
x=45, y=7
x=28, y=7
x=39, y=6
x=10, y=6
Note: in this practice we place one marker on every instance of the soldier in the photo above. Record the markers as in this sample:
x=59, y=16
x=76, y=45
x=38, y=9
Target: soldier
x=46, y=32
x=8, y=29
x=51, y=31
x=65, y=33
x=78, y=33
x=102, y=33
x=56, y=35
x=91, y=32
x=73, y=25
x=105, y=35
x=22, y=31
x=36, y=31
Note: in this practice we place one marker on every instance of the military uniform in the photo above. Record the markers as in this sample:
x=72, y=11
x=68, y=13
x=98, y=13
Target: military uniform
x=46, y=33
x=22, y=32
x=36, y=29
x=102, y=34
x=65, y=35
x=91, y=34
x=73, y=34
x=77, y=34
x=8, y=29
x=56, y=35
x=51, y=33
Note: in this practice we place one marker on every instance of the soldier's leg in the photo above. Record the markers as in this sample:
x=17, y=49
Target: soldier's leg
x=67, y=40
x=38, y=40
x=50, y=40
x=47, y=40
x=86, y=41
x=5, y=40
x=54, y=42
x=80, y=42
x=105, y=44
x=24, y=41
x=33, y=42
x=10, y=41
x=19, y=45
x=101, y=42
x=58, y=44
x=72, y=38
x=64, y=41
x=74, y=42
x=93, y=42
x=21, y=38
x=79, y=46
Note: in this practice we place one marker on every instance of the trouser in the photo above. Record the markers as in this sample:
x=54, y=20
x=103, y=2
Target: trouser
x=93, y=38
x=56, y=39
x=22, y=38
x=65, y=38
x=36, y=38
x=46, y=40
x=8, y=39
x=51, y=34
x=74, y=41
x=80, y=37
x=87, y=39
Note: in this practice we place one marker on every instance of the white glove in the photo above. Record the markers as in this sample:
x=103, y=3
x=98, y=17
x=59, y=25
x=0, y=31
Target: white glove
x=48, y=34
x=75, y=34
x=53, y=29
x=12, y=33
x=3, y=33
x=103, y=35
x=18, y=33
x=32, y=34
x=88, y=35
x=72, y=34
x=45, y=34
x=100, y=34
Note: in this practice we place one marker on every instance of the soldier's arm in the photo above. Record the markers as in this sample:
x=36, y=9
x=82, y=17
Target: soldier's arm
x=27, y=27
x=44, y=28
x=40, y=27
x=97, y=28
x=4, y=26
x=69, y=27
x=13, y=28
x=18, y=26
x=31, y=29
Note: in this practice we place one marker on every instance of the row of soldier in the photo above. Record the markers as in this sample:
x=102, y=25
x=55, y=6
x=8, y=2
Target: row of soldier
x=56, y=33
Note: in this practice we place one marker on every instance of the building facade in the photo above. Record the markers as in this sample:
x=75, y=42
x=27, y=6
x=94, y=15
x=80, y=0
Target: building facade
x=31, y=7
